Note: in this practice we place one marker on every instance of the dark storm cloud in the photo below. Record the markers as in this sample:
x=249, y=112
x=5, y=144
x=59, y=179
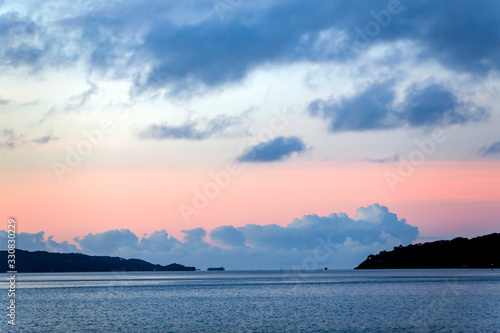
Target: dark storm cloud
x=376, y=109
x=273, y=150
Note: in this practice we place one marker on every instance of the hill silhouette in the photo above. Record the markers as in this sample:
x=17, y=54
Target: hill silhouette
x=479, y=252
x=44, y=262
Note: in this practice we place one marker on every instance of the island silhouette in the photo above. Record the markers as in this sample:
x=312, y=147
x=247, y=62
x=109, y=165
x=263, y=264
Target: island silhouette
x=45, y=262
x=479, y=252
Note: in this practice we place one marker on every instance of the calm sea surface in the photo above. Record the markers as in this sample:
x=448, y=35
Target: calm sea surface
x=258, y=301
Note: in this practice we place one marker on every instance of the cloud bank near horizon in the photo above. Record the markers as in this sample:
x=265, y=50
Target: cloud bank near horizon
x=334, y=241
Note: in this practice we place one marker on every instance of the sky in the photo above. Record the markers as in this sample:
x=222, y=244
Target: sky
x=248, y=134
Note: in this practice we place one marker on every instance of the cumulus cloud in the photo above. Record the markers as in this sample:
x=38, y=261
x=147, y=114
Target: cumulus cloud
x=195, y=238
x=490, y=149
x=375, y=109
x=335, y=241
x=37, y=242
x=108, y=242
x=228, y=235
x=273, y=150
x=190, y=130
x=159, y=241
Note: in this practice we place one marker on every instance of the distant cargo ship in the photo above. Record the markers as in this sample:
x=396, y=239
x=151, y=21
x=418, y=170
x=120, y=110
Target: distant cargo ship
x=216, y=269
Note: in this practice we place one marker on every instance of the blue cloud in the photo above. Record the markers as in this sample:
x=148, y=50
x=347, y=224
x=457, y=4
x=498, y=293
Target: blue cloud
x=45, y=139
x=335, y=240
x=189, y=130
x=106, y=243
x=216, y=52
x=435, y=105
x=228, y=235
x=37, y=242
x=369, y=110
x=391, y=159
x=274, y=150
x=195, y=238
x=9, y=139
x=366, y=228
x=22, y=41
x=376, y=109
x=190, y=45
x=159, y=241
x=490, y=149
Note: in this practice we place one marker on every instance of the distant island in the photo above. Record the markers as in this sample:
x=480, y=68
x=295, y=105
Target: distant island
x=216, y=269
x=479, y=252
x=46, y=262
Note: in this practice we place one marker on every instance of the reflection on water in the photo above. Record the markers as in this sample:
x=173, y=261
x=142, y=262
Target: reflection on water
x=263, y=301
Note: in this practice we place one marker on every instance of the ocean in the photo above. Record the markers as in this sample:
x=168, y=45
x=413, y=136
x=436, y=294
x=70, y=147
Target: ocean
x=465, y=300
